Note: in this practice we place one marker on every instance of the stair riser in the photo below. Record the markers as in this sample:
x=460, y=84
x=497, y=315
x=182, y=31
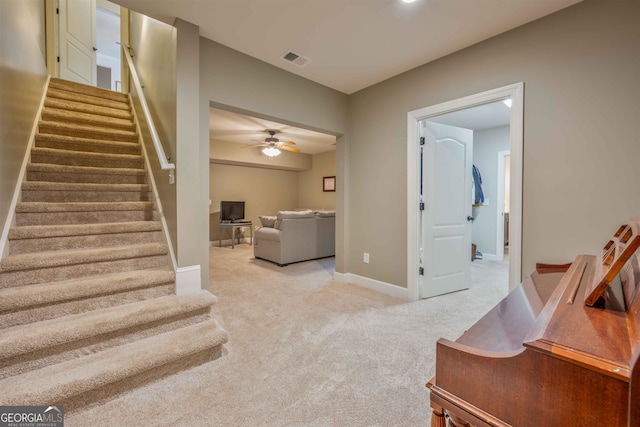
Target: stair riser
x=70, y=160
x=67, y=272
x=59, y=309
x=100, y=134
x=86, y=178
x=87, y=99
x=89, y=148
x=87, y=90
x=87, y=108
x=56, y=218
x=77, y=118
x=23, y=246
x=51, y=355
x=85, y=196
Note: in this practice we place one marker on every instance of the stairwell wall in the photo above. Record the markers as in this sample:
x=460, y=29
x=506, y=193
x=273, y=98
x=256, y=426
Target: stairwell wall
x=23, y=74
x=154, y=48
x=167, y=61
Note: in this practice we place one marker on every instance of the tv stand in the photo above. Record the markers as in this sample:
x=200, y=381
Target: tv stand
x=234, y=226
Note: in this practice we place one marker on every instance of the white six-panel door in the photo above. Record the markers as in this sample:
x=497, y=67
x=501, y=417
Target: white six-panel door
x=446, y=219
x=77, y=35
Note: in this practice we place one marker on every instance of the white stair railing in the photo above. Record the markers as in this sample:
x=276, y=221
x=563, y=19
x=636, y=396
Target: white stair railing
x=165, y=164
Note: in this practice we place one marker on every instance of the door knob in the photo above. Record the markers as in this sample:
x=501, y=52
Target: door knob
x=470, y=218
x=95, y=48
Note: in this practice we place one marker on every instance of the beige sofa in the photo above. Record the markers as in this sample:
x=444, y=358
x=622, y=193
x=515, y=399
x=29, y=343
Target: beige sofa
x=294, y=236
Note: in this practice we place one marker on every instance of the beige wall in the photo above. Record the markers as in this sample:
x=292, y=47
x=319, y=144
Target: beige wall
x=23, y=75
x=310, y=194
x=268, y=190
x=580, y=67
x=192, y=156
x=264, y=191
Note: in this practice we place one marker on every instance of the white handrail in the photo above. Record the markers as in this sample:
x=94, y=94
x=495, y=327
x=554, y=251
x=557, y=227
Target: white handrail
x=164, y=162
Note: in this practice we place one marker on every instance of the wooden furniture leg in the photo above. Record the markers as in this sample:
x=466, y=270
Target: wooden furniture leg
x=438, y=418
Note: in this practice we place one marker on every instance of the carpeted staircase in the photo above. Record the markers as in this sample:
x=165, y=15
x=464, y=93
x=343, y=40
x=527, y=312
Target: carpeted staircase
x=87, y=294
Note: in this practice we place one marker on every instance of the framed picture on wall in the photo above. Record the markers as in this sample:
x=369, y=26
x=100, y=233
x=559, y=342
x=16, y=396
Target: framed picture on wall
x=329, y=183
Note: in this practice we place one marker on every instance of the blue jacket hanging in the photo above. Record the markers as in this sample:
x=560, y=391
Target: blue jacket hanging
x=477, y=185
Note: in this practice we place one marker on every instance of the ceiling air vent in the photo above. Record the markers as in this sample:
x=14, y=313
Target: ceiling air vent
x=295, y=58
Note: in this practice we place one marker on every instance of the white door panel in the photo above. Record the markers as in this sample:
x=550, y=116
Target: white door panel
x=446, y=233
x=77, y=40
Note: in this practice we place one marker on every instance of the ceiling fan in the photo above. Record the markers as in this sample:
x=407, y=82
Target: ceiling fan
x=272, y=146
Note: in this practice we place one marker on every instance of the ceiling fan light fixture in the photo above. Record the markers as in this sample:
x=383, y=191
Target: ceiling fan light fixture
x=271, y=151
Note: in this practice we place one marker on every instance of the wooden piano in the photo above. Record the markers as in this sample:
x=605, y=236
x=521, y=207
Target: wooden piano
x=561, y=349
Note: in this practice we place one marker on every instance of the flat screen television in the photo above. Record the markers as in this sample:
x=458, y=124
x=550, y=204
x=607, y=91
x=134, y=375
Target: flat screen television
x=231, y=211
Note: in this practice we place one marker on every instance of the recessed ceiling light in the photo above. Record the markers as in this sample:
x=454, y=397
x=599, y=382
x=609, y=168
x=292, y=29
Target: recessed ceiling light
x=408, y=1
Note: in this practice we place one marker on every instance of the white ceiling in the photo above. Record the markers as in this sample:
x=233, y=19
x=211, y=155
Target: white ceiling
x=241, y=129
x=352, y=44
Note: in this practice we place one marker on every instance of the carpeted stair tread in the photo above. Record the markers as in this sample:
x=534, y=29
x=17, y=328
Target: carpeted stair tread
x=54, y=332
x=98, y=158
x=63, y=169
x=86, y=170
x=74, y=377
x=77, y=257
x=87, y=293
x=86, y=99
x=87, y=90
x=69, y=105
x=20, y=298
x=44, y=231
x=40, y=207
x=87, y=131
x=44, y=191
x=74, y=143
x=54, y=114
x=83, y=186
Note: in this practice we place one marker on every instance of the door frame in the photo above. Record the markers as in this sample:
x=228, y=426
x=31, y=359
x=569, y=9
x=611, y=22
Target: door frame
x=516, y=135
x=502, y=155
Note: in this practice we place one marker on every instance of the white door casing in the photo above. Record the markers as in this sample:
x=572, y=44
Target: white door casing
x=447, y=182
x=516, y=133
x=77, y=35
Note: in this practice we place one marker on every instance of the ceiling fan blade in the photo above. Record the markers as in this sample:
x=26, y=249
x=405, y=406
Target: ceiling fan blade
x=252, y=146
x=288, y=142
x=286, y=147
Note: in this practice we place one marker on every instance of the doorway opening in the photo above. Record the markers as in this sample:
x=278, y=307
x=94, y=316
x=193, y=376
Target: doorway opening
x=416, y=233
x=83, y=42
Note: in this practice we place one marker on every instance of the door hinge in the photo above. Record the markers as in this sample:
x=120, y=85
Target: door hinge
x=421, y=271
x=421, y=206
x=57, y=11
x=422, y=140
x=58, y=59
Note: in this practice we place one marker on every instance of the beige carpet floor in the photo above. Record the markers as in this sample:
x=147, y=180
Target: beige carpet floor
x=306, y=351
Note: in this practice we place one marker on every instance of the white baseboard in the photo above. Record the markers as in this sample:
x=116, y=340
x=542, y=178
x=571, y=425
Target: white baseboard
x=489, y=257
x=188, y=280
x=227, y=242
x=376, y=285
